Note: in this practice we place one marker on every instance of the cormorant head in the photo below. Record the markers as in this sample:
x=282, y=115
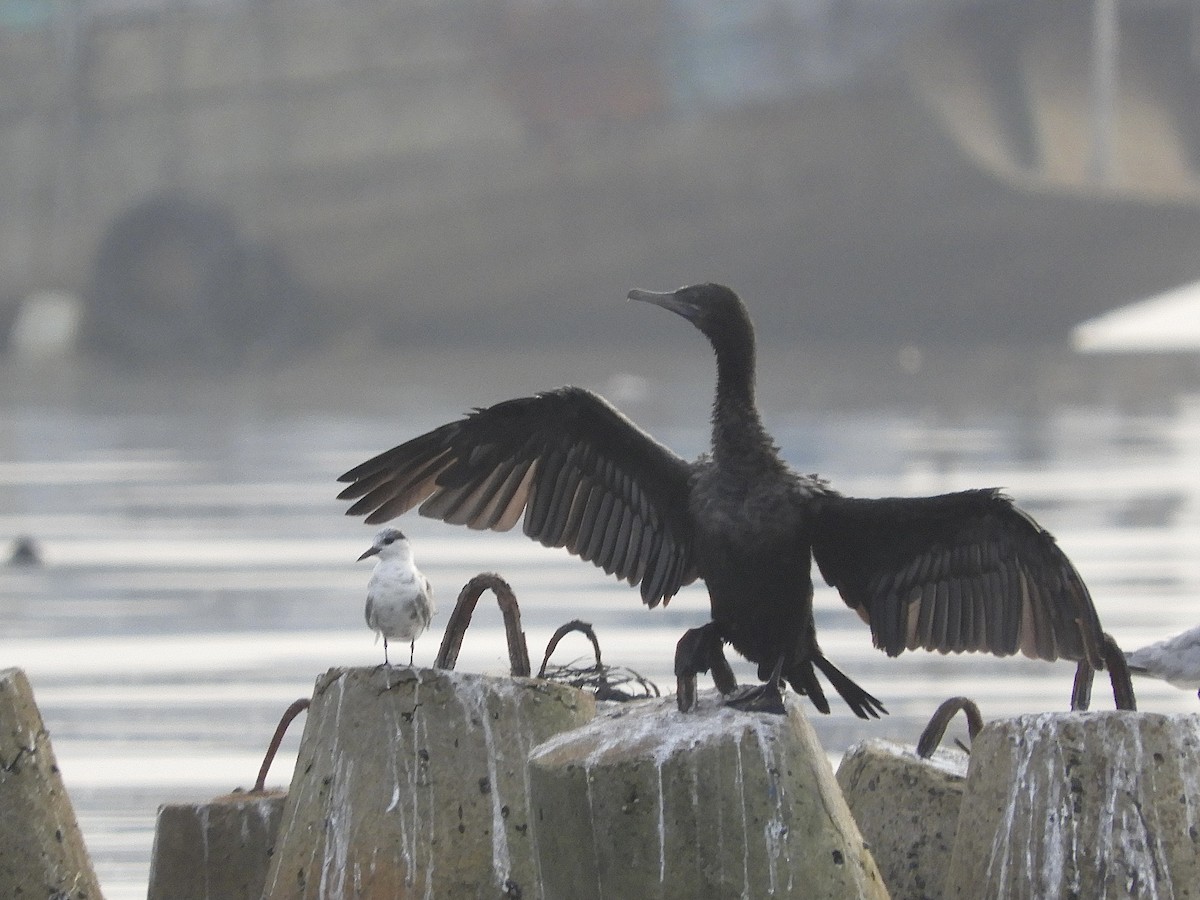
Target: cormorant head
x=389, y=542
x=713, y=308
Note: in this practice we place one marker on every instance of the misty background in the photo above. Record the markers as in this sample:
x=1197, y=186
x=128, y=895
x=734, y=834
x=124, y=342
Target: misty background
x=249, y=183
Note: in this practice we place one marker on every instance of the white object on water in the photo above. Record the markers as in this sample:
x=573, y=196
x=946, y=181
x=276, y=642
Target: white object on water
x=1176, y=660
x=399, y=598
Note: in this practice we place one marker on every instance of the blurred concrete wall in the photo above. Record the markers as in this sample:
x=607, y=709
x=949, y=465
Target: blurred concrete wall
x=497, y=169
x=418, y=152
x=1101, y=97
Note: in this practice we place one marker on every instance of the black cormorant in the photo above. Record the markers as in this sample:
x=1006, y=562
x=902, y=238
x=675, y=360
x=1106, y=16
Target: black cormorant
x=959, y=572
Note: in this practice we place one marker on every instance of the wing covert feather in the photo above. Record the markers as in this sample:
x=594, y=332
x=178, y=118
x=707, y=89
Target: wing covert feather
x=578, y=472
x=957, y=572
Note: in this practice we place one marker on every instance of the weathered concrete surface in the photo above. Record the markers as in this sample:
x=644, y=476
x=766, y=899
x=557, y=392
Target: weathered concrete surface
x=219, y=850
x=417, y=790
x=1094, y=806
x=907, y=809
x=41, y=849
x=650, y=803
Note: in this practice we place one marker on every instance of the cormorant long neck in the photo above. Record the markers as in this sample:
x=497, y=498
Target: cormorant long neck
x=739, y=440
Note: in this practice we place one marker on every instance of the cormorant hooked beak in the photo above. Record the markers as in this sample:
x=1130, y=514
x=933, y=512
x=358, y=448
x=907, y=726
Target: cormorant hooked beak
x=667, y=300
x=374, y=551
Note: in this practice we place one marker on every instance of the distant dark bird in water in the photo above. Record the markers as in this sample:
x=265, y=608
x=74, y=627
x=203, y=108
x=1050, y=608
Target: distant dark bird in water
x=958, y=572
x=399, y=598
x=24, y=552
x=1176, y=660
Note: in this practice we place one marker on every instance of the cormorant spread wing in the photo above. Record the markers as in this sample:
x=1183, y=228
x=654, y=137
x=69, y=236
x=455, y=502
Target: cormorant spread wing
x=585, y=477
x=959, y=572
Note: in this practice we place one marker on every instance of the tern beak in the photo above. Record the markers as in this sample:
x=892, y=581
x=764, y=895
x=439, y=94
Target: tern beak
x=374, y=551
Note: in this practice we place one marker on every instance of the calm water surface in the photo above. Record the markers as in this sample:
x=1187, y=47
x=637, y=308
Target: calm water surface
x=199, y=575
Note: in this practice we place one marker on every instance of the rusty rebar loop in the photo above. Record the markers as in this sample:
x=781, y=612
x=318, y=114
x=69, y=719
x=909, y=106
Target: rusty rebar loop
x=936, y=729
x=1081, y=689
x=605, y=682
x=288, y=715
x=1118, y=673
x=574, y=625
x=464, y=608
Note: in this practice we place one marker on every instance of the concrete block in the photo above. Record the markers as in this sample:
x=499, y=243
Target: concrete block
x=219, y=850
x=907, y=809
x=412, y=782
x=651, y=803
x=1081, y=805
x=42, y=853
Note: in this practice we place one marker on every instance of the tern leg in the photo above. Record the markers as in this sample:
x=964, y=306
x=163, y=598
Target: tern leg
x=411, y=649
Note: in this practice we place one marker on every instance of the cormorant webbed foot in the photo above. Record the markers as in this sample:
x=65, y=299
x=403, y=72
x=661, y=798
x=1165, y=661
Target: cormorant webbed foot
x=700, y=650
x=765, y=697
x=862, y=704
